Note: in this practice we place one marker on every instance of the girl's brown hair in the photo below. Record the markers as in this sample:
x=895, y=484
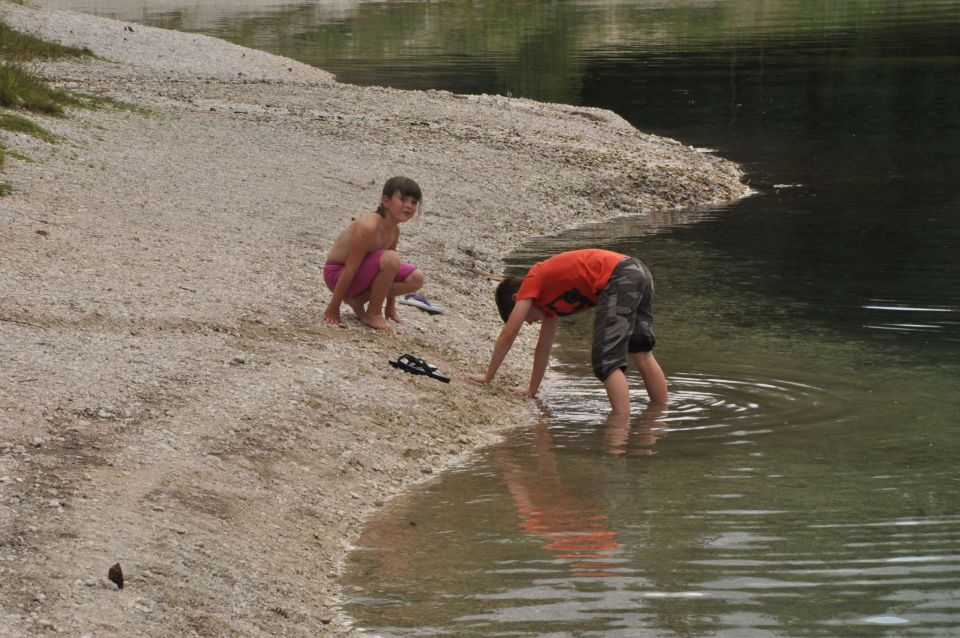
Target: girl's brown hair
x=405, y=186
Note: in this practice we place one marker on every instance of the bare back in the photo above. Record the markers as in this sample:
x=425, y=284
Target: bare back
x=384, y=235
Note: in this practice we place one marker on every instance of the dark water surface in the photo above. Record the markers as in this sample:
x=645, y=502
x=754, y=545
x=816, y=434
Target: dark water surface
x=803, y=481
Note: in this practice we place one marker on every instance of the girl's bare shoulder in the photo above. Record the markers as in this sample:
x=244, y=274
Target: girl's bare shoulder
x=373, y=219
x=367, y=223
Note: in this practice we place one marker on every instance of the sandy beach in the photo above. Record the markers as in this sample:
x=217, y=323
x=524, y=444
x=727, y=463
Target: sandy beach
x=170, y=399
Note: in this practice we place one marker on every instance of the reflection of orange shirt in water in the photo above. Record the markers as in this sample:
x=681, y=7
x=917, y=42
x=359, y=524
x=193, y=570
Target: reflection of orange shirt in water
x=575, y=527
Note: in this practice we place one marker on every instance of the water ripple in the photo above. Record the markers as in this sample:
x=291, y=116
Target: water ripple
x=898, y=317
x=733, y=408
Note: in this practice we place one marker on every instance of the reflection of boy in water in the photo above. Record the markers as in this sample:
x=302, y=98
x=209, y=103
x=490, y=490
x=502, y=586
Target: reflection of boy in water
x=574, y=527
x=619, y=440
x=619, y=286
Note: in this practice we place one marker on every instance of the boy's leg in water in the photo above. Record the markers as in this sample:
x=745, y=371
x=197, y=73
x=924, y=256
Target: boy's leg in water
x=618, y=391
x=653, y=378
x=642, y=342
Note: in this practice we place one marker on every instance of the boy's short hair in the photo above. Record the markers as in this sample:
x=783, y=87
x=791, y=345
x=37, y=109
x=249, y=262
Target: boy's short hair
x=506, y=291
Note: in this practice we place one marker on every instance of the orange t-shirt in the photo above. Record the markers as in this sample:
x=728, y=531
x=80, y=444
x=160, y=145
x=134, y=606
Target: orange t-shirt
x=569, y=282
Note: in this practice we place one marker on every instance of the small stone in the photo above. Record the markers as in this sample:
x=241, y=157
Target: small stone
x=141, y=604
x=115, y=574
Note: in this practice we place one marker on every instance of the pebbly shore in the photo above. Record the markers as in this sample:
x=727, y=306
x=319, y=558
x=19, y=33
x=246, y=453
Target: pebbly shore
x=169, y=397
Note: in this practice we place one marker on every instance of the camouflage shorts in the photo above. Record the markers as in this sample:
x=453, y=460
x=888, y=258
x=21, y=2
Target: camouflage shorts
x=624, y=319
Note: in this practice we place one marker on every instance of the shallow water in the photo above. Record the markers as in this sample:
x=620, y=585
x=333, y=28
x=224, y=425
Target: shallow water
x=801, y=483
x=803, y=480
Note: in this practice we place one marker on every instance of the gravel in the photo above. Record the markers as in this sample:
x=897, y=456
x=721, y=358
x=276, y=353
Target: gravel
x=169, y=397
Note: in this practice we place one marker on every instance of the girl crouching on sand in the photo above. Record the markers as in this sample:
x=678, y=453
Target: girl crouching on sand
x=364, y=270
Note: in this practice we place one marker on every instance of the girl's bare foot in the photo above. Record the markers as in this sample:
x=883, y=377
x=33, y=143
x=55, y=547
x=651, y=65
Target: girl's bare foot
x=376, y=322
x=357, y=306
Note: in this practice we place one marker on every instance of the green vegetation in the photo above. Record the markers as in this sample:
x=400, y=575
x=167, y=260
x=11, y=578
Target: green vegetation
x=21, y=46
x=20, y=124
x=96, y=101
x=22, y=90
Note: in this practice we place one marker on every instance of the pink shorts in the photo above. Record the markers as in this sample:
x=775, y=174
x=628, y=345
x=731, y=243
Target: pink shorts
x=369, y=269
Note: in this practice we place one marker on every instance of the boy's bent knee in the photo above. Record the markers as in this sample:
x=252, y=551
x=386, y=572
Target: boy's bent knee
x=603, y=369
x=642, y=339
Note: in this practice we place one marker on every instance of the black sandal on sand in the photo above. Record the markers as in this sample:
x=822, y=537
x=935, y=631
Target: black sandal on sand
x=416, y=365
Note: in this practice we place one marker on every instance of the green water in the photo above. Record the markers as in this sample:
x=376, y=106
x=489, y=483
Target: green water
x=802, y=481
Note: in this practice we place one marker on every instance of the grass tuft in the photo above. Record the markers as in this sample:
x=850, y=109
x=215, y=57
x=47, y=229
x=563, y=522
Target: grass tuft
x=19, y=156
x=19, y=124
x=20, y=89
x=22, y=46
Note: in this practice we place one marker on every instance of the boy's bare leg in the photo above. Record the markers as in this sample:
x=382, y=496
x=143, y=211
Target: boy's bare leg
x=618, y=392
x=653, y=377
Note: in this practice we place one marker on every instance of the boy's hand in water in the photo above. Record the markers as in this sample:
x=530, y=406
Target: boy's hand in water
x=476, y=378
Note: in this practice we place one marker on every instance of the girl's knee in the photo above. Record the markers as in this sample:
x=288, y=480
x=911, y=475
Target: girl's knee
x=415, y=278
x=390, y=260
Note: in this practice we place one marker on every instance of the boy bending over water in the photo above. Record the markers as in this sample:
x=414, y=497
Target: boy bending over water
x=622, y=290
x=364, y=270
